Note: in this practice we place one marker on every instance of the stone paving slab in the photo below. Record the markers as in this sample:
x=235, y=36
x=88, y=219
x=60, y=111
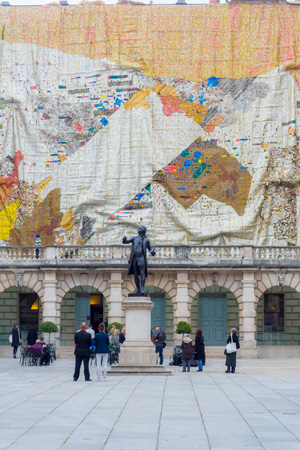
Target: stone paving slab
x=256, y=408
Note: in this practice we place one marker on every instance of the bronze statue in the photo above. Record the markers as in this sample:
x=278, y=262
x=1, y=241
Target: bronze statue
x=138, y=258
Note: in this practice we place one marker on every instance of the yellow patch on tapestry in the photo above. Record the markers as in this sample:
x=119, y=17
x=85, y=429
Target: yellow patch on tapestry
x=7, y=219
x=42, y=185
x=138, y=100
x=67, y=221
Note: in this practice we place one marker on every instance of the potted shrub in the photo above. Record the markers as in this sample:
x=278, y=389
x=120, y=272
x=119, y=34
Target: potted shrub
x=49, y=327
x=183, y=328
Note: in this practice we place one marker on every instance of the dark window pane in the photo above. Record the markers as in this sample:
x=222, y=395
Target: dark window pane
x=29, y=313
x=274, y=312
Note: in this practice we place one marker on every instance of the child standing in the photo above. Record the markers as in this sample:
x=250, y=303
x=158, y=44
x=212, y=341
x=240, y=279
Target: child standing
x=38, y=244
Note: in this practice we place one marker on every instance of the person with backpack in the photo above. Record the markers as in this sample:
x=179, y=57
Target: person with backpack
x=160, y=341
x=187, y=352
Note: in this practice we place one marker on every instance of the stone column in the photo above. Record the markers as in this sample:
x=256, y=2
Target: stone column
x=248, y=316
x=181, y=310
x=51, y=311
x=115, y=312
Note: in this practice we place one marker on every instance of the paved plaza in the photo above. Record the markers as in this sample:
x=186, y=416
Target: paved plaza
x=256, y=408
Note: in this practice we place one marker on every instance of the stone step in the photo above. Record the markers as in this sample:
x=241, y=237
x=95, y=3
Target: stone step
x=215, y=352
x=140, y=370
x=65, y=352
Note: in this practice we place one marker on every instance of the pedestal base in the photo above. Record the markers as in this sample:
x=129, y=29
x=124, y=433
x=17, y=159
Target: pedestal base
x=138, y=353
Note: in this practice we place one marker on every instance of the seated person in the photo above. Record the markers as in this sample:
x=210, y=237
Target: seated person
x=37, y=349
x=47, y=356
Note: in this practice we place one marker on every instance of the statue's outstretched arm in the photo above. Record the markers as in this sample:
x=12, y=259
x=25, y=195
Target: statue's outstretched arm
x=127, y=241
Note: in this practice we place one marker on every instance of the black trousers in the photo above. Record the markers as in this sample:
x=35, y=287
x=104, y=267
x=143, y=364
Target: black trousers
x=78, y=362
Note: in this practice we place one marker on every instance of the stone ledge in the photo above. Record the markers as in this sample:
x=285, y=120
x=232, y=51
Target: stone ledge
x=140, y=370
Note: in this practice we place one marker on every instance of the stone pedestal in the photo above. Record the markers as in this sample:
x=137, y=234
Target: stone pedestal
x=138, y=353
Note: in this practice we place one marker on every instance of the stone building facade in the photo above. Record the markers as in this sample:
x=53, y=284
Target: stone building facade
x=256, y=290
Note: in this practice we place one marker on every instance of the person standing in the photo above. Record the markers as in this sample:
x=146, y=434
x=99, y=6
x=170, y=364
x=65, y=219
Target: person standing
x=83, y=341
x=32, y=336
x=47, y=355
x=16, y=339
x=91, y=331
x=231, y=357
x=187, y=352
x=106, y=324
x=38, y=244
x=102, y=351
x=122, y=336
x=160, y=338
x=114, y=335
x=199, y=350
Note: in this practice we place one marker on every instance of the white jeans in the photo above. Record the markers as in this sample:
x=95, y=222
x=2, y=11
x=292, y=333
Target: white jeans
x=101, y=361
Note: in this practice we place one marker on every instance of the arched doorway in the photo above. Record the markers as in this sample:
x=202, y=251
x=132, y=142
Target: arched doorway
x=215, y=310
x=80, y=304
x=162, y=314
x=278, y=317
x=19, y=305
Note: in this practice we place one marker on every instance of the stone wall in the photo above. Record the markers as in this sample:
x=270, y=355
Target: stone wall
x=232, y=308
x=291, y=318
x=68, y=319
x=169, y=320
x=105, y=308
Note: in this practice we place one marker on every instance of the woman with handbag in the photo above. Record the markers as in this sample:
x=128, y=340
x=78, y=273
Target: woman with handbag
x=231, y=348
x=199, y=350
x=16, y=339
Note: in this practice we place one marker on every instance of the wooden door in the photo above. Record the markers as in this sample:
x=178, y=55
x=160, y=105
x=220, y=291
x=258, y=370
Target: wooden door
x=213, y=320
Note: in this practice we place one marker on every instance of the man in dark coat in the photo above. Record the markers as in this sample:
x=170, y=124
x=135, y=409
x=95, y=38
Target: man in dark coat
x=32, y=336
x=83, y=341
x=160, y=338
x=138, y=258
x=16, y=339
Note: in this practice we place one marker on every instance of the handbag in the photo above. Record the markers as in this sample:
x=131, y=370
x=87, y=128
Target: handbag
x=10, y=338
x=231, y=346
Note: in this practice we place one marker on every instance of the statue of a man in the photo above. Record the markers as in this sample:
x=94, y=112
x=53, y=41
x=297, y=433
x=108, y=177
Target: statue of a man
x=138, y=258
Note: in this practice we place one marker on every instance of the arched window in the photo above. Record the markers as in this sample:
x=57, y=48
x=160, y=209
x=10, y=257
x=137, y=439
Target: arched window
x=274, y=313
x=28, y=311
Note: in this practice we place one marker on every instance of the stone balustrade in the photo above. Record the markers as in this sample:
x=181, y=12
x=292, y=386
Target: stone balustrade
x=176, y=256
